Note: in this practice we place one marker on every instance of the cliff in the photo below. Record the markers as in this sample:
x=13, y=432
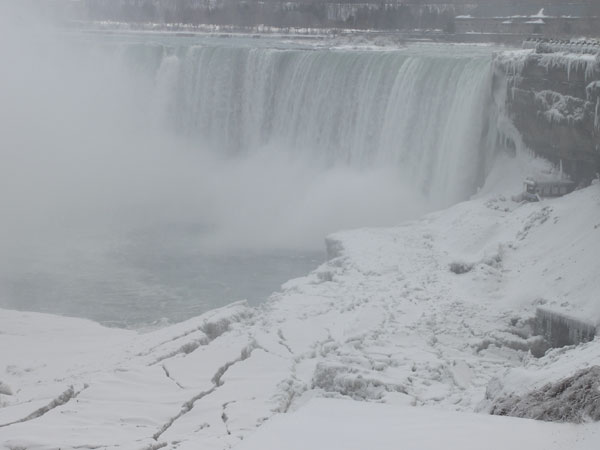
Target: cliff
x=553, y=100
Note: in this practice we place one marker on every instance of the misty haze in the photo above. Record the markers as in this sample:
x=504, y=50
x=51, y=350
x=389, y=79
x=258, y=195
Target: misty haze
x=165, y=173
x=309, y=224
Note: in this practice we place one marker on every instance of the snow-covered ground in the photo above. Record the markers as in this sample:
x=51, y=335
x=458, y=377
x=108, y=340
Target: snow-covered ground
x=342, y=425
x=384, y=321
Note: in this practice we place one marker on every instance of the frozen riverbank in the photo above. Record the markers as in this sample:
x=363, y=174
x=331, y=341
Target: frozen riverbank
x=384, y=320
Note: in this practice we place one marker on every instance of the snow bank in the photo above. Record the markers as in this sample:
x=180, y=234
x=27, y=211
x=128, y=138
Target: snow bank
x=560, y=109
x=343, y=425
x=385, y=320
x=573, y=399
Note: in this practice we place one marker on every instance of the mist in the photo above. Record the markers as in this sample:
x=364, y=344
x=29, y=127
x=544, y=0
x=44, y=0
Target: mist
x=111, y=213
x=83, y=154
x=149, y=166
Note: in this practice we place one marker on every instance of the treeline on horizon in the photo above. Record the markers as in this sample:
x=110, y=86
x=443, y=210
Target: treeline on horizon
x=244, y=13
x=361, y=14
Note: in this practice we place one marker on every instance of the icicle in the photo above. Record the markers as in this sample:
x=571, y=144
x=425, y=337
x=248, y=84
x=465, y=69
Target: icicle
x=560, y=170
x=596, y=115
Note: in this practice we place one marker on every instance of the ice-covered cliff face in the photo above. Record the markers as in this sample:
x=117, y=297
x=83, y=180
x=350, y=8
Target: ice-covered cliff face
x=424, y=111
x=554, y=101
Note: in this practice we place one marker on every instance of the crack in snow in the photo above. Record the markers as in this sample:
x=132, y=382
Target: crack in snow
x=62, y=399
x=224, y=416
x=185, y=408
x=156, y=446
x=217, y=382
x=245, y=354
x=185, y=349
x=211, y=329
x=171, y=378
x=283, y=341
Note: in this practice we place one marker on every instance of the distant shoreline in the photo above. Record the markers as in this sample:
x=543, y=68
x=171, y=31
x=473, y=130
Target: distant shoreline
x=189, y=30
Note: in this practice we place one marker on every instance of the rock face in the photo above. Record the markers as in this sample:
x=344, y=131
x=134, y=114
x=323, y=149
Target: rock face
x=574, y=399
x=553, y=100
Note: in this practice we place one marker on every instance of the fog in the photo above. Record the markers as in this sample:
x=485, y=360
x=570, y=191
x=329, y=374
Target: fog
x=150, y=169
x=110, y=213
x=83, y=155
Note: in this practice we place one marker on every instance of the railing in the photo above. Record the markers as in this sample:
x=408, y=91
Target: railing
x=543, y=45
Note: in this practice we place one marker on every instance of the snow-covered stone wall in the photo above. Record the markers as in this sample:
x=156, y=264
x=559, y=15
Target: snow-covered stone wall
x=554, y=101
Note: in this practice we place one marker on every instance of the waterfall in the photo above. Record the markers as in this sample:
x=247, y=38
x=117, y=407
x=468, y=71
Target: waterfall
x=260, y=142
x=140, y=169
x=425, y=115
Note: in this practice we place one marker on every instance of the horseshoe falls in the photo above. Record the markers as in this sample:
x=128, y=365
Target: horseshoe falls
x=423, y=113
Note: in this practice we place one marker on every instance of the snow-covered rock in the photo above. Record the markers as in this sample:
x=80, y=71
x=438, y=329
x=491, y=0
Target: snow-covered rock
x=385, y=320
x=573, y=399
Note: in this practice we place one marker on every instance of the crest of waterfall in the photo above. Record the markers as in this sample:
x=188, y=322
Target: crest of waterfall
x=430, y=117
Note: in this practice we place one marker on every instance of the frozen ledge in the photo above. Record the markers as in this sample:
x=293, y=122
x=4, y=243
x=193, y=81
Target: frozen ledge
x=560, y=329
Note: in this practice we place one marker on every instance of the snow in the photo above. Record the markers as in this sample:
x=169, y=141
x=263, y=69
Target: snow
x=573, y=399
x=560, y=109
x=512, y=62
x=571, y=61
x=381, y=344
x=338, y=424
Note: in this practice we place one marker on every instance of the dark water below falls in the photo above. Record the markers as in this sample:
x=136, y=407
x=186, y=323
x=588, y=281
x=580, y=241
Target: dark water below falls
x=157, y=276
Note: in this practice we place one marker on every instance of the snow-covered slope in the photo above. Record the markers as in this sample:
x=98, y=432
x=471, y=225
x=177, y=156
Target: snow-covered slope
x=384, y=320
x=341, y=425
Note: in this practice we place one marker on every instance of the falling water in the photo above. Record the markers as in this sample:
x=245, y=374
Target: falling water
x=423, y=114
